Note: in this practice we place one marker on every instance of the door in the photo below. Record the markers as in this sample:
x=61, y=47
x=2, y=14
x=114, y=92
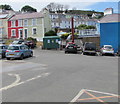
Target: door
x=25, y=33
x=20, y=33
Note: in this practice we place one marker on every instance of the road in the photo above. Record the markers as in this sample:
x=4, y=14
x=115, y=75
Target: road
x=52, y=76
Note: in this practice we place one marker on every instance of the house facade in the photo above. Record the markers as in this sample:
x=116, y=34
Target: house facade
x=63, y=21
x=3, y=25
x=29, y=25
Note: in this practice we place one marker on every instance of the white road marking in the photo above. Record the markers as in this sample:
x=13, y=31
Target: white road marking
x=13, y=84
x=16, y=83
x=78, y=95
x=102, y=92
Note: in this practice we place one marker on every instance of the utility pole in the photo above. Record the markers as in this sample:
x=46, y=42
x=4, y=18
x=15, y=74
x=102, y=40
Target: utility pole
x=72, y=19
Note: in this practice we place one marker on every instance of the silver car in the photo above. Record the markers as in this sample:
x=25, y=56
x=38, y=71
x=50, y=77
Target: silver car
x=107, y=49
x=18, y=51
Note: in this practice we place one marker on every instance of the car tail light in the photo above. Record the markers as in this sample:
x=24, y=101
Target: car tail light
x=75, y=47
x=17, y=51
x=7, y=51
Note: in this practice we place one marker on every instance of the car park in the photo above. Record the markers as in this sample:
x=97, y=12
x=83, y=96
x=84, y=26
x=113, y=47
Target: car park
x=18, y=51
x=3, y=49
x=89, y=48
x=107, y=49
x=71, y=48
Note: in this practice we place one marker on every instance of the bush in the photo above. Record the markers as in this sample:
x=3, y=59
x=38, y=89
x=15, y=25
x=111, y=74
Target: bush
x=64, y=36
x=50, y=33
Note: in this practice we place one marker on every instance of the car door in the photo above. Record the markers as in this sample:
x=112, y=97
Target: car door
x=27, y=50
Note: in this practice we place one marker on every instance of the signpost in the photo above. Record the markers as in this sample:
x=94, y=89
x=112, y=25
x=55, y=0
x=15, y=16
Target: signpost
x=72, y=19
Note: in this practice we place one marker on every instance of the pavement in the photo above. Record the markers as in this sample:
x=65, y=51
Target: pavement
x=52, y=76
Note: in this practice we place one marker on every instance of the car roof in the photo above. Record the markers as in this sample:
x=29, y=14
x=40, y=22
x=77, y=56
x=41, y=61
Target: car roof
x=107, y=45
x=16, y=45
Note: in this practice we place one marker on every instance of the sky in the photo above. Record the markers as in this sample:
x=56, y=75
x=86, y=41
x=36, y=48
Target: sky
x=97, y=5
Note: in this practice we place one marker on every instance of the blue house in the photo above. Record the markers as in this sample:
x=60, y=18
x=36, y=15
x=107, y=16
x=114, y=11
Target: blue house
x=110, y=31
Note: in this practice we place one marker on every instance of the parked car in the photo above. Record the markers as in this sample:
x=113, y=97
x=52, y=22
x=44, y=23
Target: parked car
x=89, y=48
x=107, y=49
x=71, y=48
x=3, y=49
x=2, y=41
x=18, y=51
x=30, y=44
x=18, y=42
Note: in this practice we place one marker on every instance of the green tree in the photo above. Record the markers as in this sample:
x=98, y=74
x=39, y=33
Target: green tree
x=82, y=27
x=90, y=27
x=6, y=7
x=28, y=8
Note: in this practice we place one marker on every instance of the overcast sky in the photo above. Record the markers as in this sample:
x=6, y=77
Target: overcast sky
x=97, y=5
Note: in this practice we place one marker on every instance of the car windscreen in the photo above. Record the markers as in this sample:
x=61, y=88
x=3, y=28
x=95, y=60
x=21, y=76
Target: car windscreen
x=90, y=46
x=13, y=48
x=71, y=45
x=108, y=47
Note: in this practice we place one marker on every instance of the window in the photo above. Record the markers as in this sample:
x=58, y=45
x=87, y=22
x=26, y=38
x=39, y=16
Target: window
x=34, y=31
x=34, y=22
x=13, y=48
x=20, y=23
x=22, y=47
x=13, y=23
x=25, y=22
x=13, y=32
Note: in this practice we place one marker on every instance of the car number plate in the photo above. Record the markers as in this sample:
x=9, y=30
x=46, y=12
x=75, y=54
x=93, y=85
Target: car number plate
x=71, y=47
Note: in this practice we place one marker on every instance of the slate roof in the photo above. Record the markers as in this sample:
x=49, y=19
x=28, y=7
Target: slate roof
x=27, y=16
x=110, y=18
x=2, y=16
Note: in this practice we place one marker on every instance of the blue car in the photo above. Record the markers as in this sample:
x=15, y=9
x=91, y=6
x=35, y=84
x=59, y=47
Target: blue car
x=18, y=51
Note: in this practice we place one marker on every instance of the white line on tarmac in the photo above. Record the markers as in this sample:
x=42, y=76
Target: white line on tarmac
x=13, y=84
x=78, y=95
x=16, y=83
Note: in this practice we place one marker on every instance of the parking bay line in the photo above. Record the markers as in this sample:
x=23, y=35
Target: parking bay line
x=77, y=97
x=16, y=83
x=95, y=98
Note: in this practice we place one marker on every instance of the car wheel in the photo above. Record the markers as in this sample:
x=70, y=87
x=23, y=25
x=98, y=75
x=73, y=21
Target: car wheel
x=8, y=58
x=66, y=52
x=21, y=57
x=31, y=55
x=84, y=53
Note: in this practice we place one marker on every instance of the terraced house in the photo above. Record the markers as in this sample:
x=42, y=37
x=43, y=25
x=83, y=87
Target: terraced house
x=4, y=25
x=29, y=25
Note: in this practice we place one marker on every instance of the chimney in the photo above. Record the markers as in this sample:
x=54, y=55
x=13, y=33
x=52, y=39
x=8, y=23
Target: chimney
x=108, y=11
